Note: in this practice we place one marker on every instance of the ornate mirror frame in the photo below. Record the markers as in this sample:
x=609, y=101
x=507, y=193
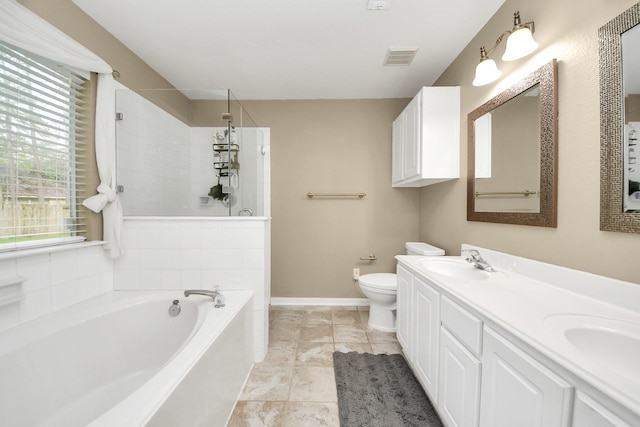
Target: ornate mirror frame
x=612, y=217
x=546, y=76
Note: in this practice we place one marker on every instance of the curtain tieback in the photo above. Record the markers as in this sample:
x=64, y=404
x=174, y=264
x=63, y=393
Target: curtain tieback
x=98, y=202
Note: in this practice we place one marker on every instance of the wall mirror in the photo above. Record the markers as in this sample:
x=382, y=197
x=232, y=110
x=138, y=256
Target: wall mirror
x=512, y=153
x=620, y=123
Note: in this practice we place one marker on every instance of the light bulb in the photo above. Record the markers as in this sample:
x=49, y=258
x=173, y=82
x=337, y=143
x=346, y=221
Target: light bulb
x=519, y=44
x=486, y=72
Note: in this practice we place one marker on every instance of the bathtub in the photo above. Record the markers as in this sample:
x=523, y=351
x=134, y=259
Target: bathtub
x=121, y=360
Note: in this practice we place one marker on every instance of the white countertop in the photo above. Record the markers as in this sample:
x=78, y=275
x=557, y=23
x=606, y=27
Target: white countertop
x=538, y=313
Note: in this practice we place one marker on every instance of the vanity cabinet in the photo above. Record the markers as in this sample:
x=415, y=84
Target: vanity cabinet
x=587, y=412
x=459, y=398
x=426, y=336
x=403, y=323
x=426, y=139
x=417, y=328
x=472, y=374
x=460, y=347
x=480, y=367
x=517, y=390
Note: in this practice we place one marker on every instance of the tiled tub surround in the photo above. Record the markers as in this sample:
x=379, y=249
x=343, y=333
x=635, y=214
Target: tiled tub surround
x=56, y=277
x=178, y=253
x=121, y=359
x=295, y=386
x=521, y=300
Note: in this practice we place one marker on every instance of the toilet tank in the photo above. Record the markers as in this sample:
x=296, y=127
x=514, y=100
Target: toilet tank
x=424, y=249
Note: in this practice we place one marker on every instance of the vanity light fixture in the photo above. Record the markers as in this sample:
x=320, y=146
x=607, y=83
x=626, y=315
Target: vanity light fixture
x=520, y=43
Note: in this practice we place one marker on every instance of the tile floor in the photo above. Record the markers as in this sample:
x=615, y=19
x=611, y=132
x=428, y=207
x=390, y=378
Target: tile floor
x=295, y=384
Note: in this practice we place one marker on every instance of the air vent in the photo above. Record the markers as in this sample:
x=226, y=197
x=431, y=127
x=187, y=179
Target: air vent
x=378, y=4
x=400, y=56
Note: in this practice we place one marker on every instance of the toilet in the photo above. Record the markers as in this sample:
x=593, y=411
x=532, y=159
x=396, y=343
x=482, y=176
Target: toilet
x=381, y=290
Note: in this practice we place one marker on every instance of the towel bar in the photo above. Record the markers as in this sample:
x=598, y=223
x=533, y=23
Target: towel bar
x=358, y=195
x=525, y=193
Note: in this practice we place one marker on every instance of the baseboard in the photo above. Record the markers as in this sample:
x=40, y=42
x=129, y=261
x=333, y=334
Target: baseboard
x=320, y=301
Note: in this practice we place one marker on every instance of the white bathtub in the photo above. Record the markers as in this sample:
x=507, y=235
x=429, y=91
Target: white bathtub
x=121, y=360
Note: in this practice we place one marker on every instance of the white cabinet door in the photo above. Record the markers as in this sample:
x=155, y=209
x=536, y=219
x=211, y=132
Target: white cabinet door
x=589, y=413
x=518, y=391
x=426, y=337
x=412, y=153
x=403, y=313
x=459, y=395
x=397, y=153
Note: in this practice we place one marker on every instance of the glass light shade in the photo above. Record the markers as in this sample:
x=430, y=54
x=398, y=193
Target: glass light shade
x=520, y=43
x=486, y=72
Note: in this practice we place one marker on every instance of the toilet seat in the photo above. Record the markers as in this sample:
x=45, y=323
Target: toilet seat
x=379, y=281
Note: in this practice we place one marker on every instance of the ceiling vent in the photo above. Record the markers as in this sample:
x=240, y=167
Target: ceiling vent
x=378, y=4
x=400, y=56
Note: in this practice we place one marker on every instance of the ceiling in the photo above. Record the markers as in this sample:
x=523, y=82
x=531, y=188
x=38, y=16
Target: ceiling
x=294, y=49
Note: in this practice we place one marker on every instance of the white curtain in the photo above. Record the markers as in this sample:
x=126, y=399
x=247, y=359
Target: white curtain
x=22, y=28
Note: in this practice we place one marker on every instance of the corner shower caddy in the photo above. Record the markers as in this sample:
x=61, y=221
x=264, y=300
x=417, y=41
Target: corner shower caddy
x=226, y=164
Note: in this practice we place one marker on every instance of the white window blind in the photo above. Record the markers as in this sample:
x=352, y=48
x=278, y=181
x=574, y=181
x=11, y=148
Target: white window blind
x=42, y=160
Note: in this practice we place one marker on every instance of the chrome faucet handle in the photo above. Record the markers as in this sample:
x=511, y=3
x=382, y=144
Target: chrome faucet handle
x=475, y=254
x=218, y=300
x=477, y=260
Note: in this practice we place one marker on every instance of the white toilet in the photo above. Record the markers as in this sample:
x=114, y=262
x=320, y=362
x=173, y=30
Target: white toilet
x=381, y=290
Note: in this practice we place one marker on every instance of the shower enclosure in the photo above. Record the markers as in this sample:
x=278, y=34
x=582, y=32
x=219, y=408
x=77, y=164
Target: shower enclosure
x=193, y=180
x=189, y=153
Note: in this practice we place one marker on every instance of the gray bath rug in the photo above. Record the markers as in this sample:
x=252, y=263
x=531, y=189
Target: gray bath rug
x=380, y=391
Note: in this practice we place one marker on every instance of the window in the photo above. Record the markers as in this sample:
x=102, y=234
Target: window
x=41, y=128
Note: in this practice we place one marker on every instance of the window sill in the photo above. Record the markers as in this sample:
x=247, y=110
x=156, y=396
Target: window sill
x=27, y=252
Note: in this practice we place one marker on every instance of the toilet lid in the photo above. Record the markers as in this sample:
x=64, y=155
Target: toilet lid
x=379, y=280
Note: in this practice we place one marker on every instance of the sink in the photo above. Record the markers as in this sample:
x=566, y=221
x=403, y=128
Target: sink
x=612, y=343
x=453, y=267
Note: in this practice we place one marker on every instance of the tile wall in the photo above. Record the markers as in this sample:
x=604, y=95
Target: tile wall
x=55, y=278
x=199, y=253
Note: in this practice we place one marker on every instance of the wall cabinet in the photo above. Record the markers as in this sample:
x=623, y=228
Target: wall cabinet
x=426, y=139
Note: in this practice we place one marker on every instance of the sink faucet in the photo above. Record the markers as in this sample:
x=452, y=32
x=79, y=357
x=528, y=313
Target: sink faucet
x=218, y=298
x=478, y=262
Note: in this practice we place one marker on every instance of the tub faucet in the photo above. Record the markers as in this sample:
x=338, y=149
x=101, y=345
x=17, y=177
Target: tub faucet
x=241, y=212
x=478, y=262
x=218, y=298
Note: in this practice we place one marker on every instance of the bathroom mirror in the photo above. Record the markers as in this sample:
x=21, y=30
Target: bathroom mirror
x=620, y=123
x=512, y=153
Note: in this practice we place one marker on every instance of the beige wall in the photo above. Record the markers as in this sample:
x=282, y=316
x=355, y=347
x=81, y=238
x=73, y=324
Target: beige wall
x=632, y=108
x=333, y=146
x=566, y=30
